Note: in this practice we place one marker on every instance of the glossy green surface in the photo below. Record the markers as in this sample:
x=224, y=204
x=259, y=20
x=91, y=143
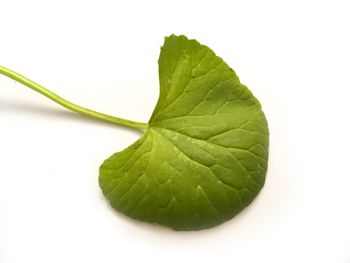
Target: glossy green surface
x=203, y=157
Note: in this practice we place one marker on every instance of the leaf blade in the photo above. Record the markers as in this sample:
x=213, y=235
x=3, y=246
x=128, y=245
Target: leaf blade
x=204, y=156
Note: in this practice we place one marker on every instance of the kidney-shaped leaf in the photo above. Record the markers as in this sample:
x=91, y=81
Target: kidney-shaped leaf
x=203, y=157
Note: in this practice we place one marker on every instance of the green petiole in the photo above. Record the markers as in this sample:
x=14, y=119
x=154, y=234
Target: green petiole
x=69, y=105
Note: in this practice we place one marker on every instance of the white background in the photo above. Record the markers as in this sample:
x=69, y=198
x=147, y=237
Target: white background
x=293, y=55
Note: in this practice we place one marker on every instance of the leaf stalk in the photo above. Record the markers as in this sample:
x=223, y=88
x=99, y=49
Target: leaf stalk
x=67, y=104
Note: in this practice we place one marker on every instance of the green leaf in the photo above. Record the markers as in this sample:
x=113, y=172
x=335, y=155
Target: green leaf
x=203, y=157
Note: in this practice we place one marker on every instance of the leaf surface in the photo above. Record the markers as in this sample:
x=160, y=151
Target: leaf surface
x=203, y=157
